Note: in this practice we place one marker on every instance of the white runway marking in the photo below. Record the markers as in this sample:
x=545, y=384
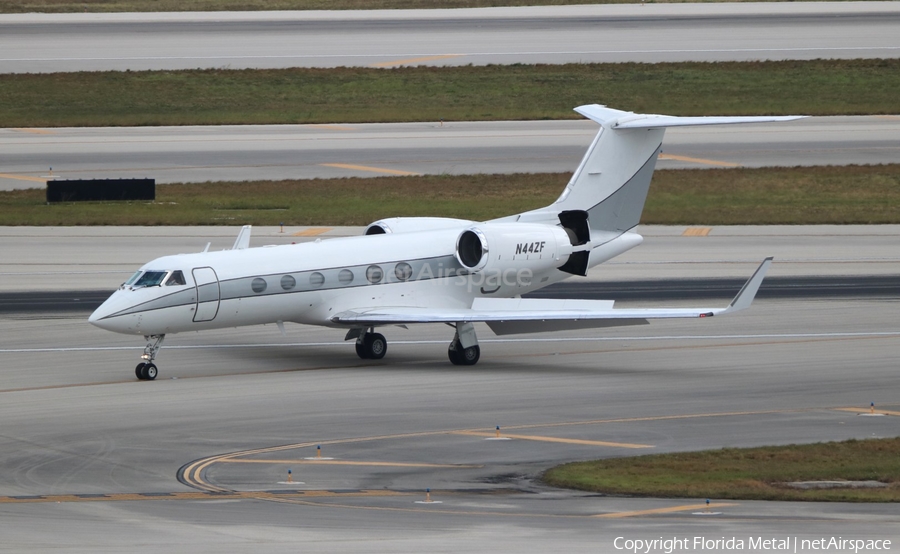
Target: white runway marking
x=493, y=341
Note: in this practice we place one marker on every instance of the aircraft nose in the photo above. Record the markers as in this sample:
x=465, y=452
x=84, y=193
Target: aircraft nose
x=102, y=315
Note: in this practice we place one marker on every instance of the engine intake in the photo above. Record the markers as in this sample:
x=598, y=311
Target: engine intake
x=501, y=247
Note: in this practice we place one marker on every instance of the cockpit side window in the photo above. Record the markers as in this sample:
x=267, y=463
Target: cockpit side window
x=175, y=278
x=150, y=278
x=133, y=278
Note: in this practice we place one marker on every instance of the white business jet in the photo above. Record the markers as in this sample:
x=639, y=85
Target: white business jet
x=427, y=269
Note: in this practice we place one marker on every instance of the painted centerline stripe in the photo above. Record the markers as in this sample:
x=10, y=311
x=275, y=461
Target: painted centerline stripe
x=23, y=178
x=555, y=439
x=35, y=131
x=696, y=232
x=372, y=169
x=312, y=232
x=697, y=160
x=669, y=510
x=868, y=410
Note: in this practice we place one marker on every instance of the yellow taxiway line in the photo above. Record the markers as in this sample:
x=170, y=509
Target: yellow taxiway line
x=23, y=178
x=868, y=410
x=697, y=160
x=372, y=169
x=669, y=510
x=312, y=232
x=696, y=232
x=554, y=439
x=35, y=131
x=415, y=60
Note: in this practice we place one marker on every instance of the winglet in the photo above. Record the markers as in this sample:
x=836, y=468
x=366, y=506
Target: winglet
x=748, y=292
x=243, y=239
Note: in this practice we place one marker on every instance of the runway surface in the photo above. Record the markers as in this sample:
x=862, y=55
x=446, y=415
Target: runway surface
x=236, y=153
x=91, y=459
x=559, y=34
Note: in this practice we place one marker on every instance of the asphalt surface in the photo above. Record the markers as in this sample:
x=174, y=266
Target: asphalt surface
x=198, y=460
x=236, y=153
x=559, y=34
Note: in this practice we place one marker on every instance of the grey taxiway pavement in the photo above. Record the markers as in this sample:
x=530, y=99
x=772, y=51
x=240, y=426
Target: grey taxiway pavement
x=196, y=154
x=198, y=460
x=557, y=34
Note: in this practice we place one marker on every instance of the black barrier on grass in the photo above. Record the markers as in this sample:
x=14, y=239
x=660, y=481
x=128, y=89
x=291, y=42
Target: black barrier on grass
x=76, y=190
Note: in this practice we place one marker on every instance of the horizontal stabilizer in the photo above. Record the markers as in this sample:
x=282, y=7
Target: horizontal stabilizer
x=618, y=119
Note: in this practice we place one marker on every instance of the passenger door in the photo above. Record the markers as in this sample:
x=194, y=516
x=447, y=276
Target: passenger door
x=207, y=284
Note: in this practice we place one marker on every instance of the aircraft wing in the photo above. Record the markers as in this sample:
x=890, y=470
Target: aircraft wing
x=523, y=315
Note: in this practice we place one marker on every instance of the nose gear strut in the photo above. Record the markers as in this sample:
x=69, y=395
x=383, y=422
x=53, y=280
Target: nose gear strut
x=146, y=370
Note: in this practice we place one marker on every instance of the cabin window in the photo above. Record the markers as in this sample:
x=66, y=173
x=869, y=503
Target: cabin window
x=288, y=282
x=403, y=271
x=258, y=285
x=176, y=278
x=151, y=278
x=345, y=276
x=374, y=274
x=316, y=279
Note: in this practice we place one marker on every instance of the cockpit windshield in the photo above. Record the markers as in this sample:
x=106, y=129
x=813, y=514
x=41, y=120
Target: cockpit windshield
x=155, y=278
x=133, y=278
x=150, y=278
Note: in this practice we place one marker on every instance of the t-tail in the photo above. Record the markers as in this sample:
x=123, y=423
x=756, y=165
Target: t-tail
x=605, y=196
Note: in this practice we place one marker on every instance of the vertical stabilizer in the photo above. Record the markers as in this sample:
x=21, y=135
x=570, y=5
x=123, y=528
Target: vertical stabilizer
x=612, y=181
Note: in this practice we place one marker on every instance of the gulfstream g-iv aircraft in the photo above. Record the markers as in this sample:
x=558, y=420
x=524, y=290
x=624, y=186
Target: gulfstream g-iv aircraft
x=426, y=269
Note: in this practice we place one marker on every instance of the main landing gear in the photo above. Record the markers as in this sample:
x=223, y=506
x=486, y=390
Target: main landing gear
x=371, y=345
x=147, y=370
x=463, y=350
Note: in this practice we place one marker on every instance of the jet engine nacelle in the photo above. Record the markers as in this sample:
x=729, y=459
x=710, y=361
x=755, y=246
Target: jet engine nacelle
x=413, y=224
x=500, y=247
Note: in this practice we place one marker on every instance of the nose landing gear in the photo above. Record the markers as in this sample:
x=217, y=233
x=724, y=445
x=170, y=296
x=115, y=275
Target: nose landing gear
x=147, y=370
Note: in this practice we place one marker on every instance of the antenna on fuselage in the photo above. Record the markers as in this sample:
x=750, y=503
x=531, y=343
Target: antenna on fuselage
x=208, y=244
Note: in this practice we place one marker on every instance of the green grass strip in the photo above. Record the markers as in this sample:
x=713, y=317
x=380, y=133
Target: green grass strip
x=468, y=93
x=745, y=473
x=799, y=196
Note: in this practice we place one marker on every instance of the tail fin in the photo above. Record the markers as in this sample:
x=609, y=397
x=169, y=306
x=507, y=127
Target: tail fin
x=613, y=178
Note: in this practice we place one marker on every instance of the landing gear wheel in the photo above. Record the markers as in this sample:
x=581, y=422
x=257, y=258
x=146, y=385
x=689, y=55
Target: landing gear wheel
x=361, y=351
x=463, y=356
x=374, y=345
x=146, y=372
x=150, y=372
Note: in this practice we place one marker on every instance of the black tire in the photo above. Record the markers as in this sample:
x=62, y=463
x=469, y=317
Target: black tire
x=150, y=372
x=139, y=371
x=375, y=346
x=453, y=353
x=361, y=351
